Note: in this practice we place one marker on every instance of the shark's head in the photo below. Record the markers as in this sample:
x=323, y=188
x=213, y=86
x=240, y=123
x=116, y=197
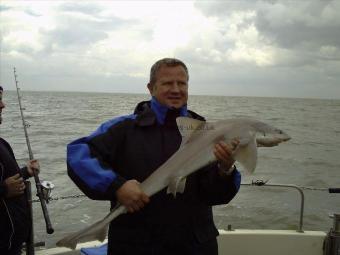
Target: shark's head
x=279, y=134
x=270, y=131
x=268, y=136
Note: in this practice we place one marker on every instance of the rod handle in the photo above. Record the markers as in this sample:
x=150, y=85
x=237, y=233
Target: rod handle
x=49, y=228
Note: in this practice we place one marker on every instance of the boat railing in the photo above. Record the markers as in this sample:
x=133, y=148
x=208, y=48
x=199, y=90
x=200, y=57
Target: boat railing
x=299, y=189
x=302, y=202
x=48, y=188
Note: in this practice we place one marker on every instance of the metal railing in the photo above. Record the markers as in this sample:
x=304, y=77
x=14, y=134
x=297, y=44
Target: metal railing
x=253, y=183
x=299, y=189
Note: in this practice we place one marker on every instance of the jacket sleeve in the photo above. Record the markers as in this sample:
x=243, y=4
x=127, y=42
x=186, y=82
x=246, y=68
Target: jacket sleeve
x=90, y=160
x=3, y=190
x=216, y=189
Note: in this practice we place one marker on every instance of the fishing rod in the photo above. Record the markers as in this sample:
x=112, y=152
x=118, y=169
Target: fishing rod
x=39, y=187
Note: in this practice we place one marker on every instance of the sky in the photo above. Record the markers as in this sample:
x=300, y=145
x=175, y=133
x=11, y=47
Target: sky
x=232, y=48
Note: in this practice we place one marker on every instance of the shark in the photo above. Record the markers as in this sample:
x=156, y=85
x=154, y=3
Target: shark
x=195, y=152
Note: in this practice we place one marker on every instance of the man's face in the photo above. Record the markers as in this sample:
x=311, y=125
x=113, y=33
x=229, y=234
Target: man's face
x=2, y=106
x=171, y=86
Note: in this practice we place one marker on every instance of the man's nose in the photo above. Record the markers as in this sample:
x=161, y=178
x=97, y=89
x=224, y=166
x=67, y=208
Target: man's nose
x=175, y=87
x=2, y=105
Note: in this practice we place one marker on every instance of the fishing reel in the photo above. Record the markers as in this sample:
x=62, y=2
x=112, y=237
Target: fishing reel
x=46, y=188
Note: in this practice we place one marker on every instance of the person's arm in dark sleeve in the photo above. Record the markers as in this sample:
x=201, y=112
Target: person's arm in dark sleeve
x=90, y=160
x=3, y=190
x=218, y=188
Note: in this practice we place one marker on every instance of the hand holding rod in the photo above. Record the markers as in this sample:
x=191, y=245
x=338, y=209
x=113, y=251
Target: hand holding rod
x=49, y=228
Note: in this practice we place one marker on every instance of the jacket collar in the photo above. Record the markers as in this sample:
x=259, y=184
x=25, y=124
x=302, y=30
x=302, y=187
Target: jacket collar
x=151, y=112
x=162, y=110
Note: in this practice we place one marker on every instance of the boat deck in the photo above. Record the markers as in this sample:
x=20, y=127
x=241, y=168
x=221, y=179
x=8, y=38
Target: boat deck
x=270, y=242
x=245, y=242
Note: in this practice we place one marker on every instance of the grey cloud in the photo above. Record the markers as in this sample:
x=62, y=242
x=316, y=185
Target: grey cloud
x=79, y=33
x=301, y=27
x=85, y=8
x=72, y=36
x=286, y=23
x=32, y=13
x=293, y=35
x=311, y=26
x=300, y=69
x=75, y=36
x=286, y=79
x=49, y=74
x=221, y=8
x=4, y=8
x=74, y=31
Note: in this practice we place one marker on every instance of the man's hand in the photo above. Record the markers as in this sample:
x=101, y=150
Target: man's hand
x=15, y=186
x=33, y=166
x=224, y=153
x=131, y=196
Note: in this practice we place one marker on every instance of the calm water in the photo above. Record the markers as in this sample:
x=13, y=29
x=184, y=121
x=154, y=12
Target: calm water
x=310, y=159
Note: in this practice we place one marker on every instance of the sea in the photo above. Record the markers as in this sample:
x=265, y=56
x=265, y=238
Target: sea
x=311, y=159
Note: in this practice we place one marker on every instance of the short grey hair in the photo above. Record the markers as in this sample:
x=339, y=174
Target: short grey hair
x=165, y=62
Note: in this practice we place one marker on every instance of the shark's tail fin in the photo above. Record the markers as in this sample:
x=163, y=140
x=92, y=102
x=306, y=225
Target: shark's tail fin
x=85, y=235
x=96, y=231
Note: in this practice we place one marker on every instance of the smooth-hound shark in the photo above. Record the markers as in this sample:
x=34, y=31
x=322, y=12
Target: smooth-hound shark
x=195, y=152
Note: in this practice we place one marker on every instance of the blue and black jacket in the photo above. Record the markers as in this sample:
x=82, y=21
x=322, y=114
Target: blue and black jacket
x=132, y=147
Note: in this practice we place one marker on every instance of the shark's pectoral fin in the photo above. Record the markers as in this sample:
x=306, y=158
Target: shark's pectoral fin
x=176, y=185
x=247, y=155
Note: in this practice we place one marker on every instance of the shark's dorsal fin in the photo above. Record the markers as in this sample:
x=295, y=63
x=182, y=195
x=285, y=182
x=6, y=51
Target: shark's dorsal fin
x=187, y=126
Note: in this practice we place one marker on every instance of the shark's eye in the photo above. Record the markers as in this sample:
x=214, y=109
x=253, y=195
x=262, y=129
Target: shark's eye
x=279, y=131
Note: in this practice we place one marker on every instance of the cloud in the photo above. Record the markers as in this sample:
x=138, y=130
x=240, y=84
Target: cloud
x=4, y=8
x=305, y=26
x=74, y=31
x=32, y=13
x=85, y=8
x=263, y=48
x=310, y=23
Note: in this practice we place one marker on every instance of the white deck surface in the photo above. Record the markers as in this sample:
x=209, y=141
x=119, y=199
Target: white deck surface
x=270, y=242
x=246, y=242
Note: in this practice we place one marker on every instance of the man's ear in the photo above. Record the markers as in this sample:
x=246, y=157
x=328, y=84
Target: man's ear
x=150, y=88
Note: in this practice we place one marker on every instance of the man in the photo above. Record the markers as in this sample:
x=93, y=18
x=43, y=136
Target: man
x=14, y=212
x=112, y=162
